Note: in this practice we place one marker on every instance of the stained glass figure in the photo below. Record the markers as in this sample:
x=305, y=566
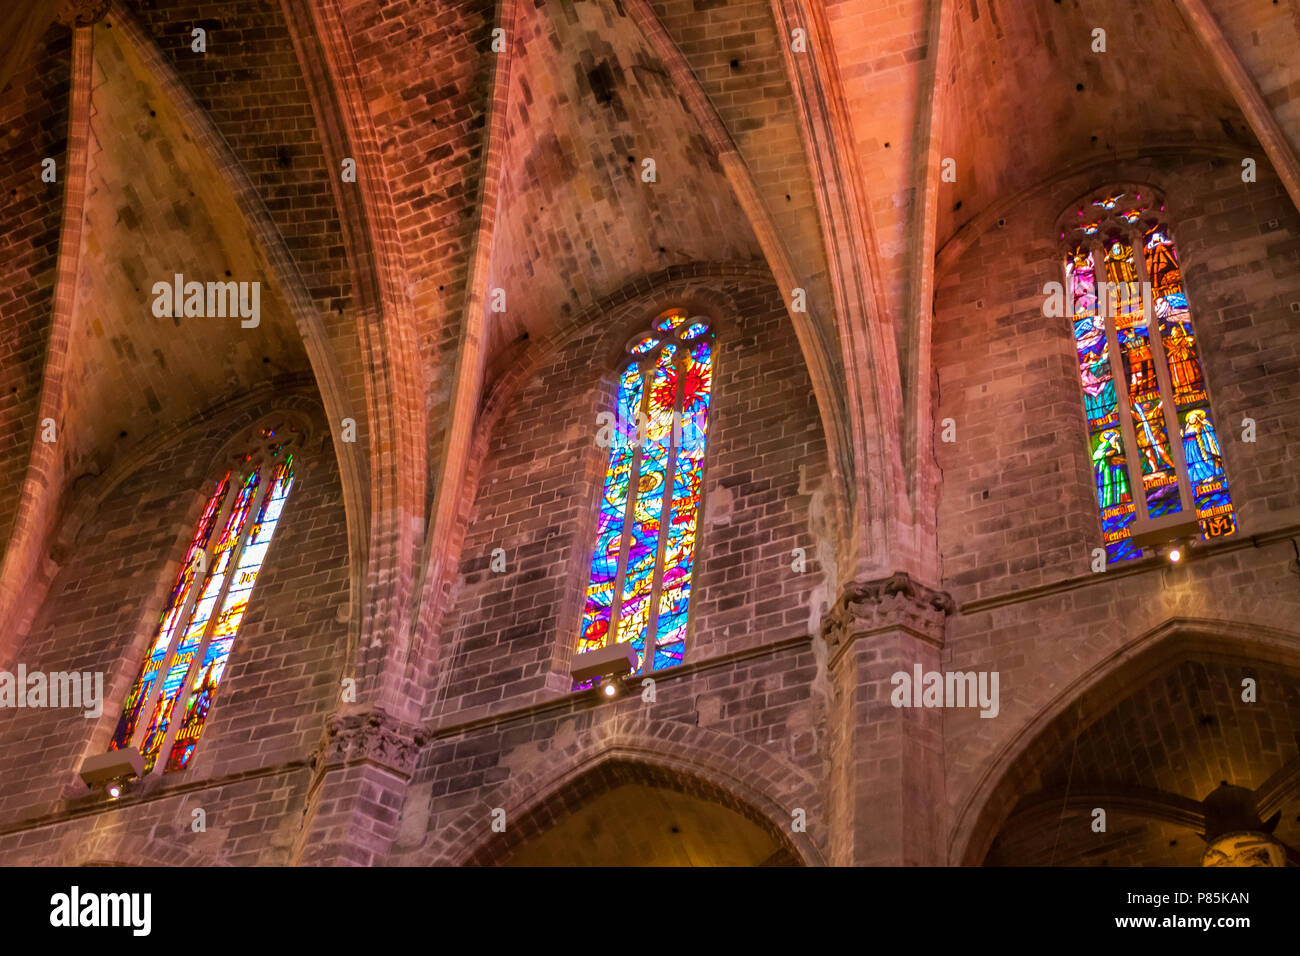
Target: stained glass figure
x=1120, y=313
x=207, y=603
x=234, y=604
x=1159, y=473
x=1114, y=495
x=641, y=568
x=1200, y=443
x=177, y=604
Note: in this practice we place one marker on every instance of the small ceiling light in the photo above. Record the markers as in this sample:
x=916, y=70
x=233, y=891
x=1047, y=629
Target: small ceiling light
x=610, y=688
x=114, y=790
x=1175, y=554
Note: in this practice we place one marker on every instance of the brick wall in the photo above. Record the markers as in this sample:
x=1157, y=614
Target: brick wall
x=734, y=51
x=1018, y=515
x=1187, y=729
x=1262, y=35
x=249, y=82
x=279, y=685
x=430, y=127
x=1018, y=506
x=132, y=375
x=509, y=636
x=34, y=116
x=746, y=727
x=582, y=168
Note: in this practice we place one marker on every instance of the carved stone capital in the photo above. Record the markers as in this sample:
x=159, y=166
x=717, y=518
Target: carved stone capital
x=893, y=603
x=373, y=737
x=81, y=13
x=1251, y=848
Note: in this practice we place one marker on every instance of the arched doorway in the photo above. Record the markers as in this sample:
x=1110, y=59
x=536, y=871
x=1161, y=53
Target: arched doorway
x=626, y=813
x=1201, y=745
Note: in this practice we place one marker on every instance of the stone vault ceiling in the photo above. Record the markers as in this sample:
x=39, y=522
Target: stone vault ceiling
x=156, y=205
x=1029, y=100
x=589, y=102
x=33, y=125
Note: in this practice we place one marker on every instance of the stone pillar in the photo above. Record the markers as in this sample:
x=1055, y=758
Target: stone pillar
x=1234, y=833
x=887, y=780
x=360, y=774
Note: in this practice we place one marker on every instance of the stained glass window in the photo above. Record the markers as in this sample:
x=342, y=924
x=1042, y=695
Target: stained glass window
x=201, y=618
x=1132, y=325
x=640, y=584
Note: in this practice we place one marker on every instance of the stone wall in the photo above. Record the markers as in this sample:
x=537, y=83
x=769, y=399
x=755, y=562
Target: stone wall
x=249, y=773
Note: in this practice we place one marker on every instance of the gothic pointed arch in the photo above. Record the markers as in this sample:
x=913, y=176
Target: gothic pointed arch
x=641, y=566
x=1155, y=454
x=1011, y=772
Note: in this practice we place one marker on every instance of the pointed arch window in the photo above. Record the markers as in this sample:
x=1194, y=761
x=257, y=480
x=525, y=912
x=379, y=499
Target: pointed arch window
x=1155, y=454
x=639, y=588
x=173, y=693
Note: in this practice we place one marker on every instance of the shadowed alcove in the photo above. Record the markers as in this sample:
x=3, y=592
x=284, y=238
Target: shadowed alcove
x=623, y=813
x=1152, y=763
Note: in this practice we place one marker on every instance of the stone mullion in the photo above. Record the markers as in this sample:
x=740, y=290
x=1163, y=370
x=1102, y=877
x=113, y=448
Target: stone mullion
x=183, y=620
x=1118, y=374
x=665, y=513
x=1167, y=405
x=236, y=552
x=633, y=480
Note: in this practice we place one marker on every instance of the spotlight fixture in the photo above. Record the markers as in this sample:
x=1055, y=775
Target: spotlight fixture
x=1169, y=539
x=604, y=666
x=112, y=769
